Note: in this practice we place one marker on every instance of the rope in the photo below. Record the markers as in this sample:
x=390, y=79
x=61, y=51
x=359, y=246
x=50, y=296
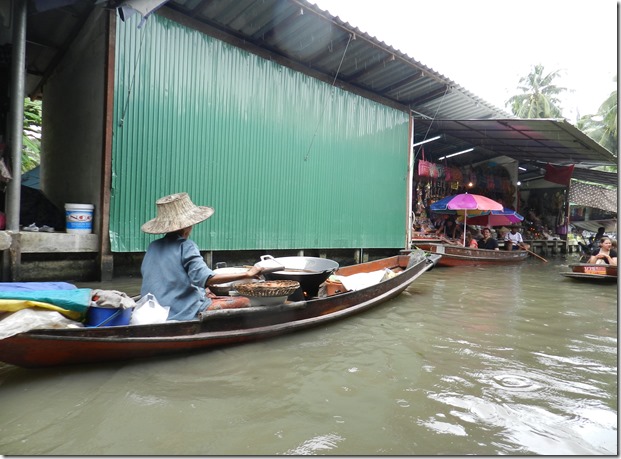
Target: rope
x=332, y=95
x=435, y=115
x=131, y=85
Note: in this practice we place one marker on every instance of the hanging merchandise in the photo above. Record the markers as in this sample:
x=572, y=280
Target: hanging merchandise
x=423, y=166
x=441, y=170
x=456, y=174
x=448, y=172
x=433, y=170
x=420, y=207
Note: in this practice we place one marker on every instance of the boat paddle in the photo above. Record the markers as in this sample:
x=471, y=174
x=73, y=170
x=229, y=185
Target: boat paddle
x=540, y=257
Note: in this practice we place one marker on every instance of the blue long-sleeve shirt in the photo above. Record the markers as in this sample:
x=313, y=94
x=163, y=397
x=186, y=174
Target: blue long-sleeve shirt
x=174, y=271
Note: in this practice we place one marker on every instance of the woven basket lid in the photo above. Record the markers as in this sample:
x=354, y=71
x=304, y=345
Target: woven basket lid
x=268, y=288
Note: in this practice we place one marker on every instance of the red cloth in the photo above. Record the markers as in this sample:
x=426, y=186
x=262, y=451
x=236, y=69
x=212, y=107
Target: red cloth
x=559, y=174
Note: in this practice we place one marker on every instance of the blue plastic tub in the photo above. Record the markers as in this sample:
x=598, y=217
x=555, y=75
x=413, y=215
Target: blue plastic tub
x=107, y=317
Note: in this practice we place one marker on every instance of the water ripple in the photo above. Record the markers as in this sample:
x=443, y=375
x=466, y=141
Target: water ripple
x=315, y=444
x=515, y=383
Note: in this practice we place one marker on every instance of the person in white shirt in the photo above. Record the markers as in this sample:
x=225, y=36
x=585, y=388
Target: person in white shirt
x=517, y=242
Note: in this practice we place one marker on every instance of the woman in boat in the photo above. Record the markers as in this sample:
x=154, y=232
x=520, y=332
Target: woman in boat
x=488, y=242
x=605, y=254
x=471, y=241
x=173, y=269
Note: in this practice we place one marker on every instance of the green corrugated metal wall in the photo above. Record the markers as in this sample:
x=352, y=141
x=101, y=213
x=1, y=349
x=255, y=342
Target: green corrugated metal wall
x=287, y=161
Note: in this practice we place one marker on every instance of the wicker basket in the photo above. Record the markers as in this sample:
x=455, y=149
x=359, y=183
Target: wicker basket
x=268, y=288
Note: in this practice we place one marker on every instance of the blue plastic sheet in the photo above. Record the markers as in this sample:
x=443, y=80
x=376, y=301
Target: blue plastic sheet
x=31, y=286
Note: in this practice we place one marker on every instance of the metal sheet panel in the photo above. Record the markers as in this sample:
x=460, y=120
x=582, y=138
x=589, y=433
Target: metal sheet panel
x=286, y=160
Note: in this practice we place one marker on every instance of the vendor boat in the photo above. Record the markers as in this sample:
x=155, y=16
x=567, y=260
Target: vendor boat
x=215, y=328
x=592, y=272
x=457, y=255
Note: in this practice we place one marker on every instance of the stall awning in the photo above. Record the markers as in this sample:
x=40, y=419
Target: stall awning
x=531, y=142
x=590, y=175
x=582, y=194
x=610, y=226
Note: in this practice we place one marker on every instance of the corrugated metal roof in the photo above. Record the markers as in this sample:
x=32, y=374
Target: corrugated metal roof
x=304, y=33
x=532, y=142
x=589, y=175
x=298, y=33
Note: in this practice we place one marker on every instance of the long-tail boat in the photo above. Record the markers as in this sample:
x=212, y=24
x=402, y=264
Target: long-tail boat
x=457, y=255
x=214, y=328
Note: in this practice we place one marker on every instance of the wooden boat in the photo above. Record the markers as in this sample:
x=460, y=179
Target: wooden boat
x=592, y=272
x=51, y=347
x=457, y=255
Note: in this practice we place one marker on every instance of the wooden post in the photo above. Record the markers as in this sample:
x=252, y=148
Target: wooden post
x=16, y=257
x=5, y=243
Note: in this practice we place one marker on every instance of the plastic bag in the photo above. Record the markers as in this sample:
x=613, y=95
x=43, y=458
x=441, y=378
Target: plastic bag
x=29, y=319
x=149, y=311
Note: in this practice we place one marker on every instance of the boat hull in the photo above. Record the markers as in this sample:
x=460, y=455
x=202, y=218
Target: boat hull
x=52, y=347
x=454, y=255
x=592, y=272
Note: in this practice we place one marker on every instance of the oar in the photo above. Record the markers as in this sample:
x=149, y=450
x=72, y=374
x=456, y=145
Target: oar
x=533, y=253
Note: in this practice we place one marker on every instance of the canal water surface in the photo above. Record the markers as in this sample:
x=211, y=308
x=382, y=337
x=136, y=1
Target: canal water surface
x=486, y=360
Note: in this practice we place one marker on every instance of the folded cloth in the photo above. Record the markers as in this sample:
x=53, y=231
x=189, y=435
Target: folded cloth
x=361, y=280
x=70, y=303
x=112, y=299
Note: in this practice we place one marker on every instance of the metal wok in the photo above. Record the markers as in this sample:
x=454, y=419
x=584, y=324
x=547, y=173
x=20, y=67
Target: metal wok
x=310, y=272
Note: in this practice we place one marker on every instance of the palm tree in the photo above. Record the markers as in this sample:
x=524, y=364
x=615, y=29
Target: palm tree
x=602, y=127
x=539, y=98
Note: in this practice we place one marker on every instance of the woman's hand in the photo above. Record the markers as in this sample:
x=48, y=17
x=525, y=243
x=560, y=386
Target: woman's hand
x=254, y=272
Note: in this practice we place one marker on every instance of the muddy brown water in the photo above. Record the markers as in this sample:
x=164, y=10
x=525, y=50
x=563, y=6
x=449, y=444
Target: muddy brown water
x=487, y=360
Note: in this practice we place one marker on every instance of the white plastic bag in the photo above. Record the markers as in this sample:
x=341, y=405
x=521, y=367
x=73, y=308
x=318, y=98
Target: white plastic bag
x=149, y=311
x=29, y=319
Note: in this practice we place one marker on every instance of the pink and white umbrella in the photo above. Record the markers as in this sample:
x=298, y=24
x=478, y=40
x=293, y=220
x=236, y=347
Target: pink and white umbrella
x=465, y=202
x=496, y=218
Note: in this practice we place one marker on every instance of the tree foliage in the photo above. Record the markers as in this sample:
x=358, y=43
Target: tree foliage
x=31, y=140
x=539, y=97
x=602, y=127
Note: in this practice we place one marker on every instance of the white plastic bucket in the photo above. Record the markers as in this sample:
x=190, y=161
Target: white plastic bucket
x=79, y=218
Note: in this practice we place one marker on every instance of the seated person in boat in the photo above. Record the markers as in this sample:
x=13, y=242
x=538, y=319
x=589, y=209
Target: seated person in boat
x=471, y=241
x=423, y=227
x=449, y=228
x=515, y=238
x=426, y=226
x=488, y=242
x=593, y=241
x=605, y=254
x=173, y=269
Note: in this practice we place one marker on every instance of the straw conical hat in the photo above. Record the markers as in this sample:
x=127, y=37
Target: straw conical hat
x=175, y=212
